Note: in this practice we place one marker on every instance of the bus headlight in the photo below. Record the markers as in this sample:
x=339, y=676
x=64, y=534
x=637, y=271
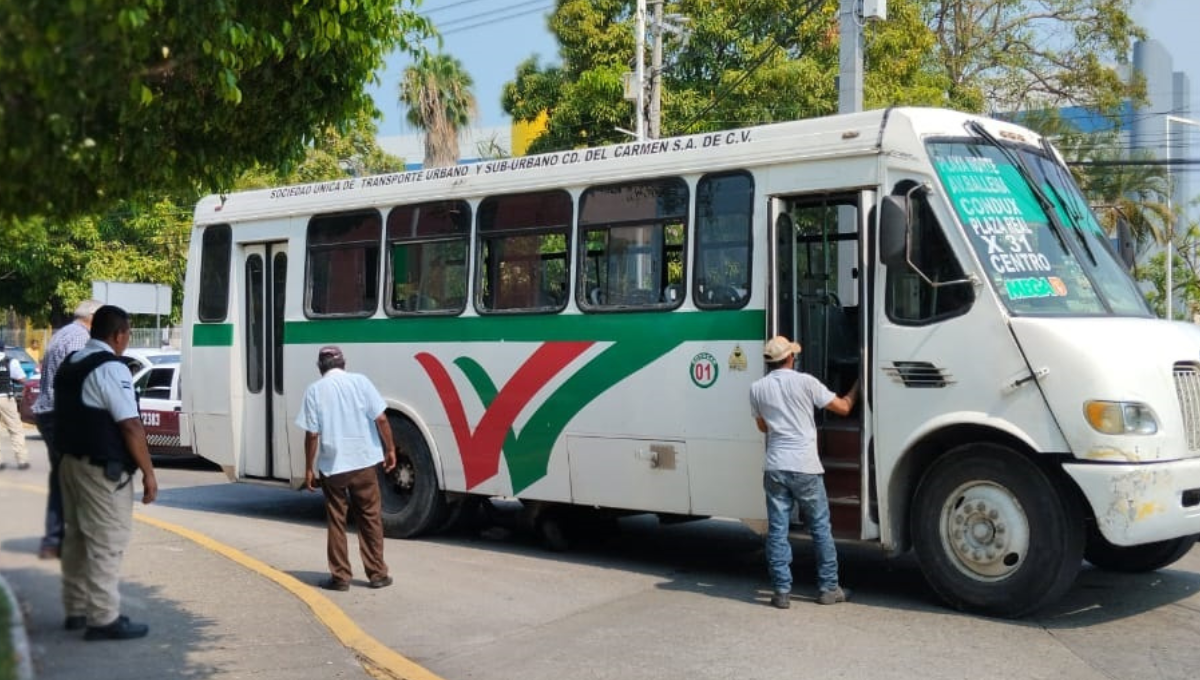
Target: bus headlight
x=1120, y=417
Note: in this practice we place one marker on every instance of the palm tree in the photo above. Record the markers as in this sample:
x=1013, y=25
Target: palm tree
x=437, y=92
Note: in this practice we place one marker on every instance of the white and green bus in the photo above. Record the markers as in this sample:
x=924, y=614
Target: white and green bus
x=582, y=328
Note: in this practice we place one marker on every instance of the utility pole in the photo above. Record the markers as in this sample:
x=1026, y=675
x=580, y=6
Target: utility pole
x=639, y=74
x=656, y=67
x=852, y=14
x=850, y=69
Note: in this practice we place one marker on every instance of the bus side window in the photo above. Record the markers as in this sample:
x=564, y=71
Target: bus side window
x=427, y=257
x=522, y=263
x=912, y=301
x=343, y=264
x=215, y=252
x=631, y=244
x=724, y=210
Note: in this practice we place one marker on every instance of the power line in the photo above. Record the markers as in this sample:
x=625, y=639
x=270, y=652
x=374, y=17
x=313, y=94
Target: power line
x=477, y=20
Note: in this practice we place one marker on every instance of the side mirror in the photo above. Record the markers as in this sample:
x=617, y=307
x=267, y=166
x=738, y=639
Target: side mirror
x=893, y=230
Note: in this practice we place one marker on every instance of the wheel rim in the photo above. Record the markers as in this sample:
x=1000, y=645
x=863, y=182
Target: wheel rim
x=398, y=484
x=984, y=530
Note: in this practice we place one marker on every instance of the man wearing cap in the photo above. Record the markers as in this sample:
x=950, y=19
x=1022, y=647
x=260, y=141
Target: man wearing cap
x=12, y=377
x=65, y=340
x=346, y=435
x=783, y=402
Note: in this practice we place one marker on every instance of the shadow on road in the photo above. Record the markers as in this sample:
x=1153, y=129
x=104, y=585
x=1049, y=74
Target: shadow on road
x=62, y=654
x=717, y=558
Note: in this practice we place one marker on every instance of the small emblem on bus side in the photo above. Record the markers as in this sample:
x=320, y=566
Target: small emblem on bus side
x=704, y=370
x=737, y=360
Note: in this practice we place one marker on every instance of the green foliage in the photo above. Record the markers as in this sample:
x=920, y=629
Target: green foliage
x=743, y=63
x=49, y=264
x=747, y=62
x=1003, y=55
x=101, y=100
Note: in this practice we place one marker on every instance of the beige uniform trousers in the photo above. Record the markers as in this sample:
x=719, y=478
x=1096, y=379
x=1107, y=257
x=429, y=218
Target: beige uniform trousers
x=99, y=522
x=10, y=418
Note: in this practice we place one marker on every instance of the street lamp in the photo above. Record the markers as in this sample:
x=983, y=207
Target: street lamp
x=1167, y=120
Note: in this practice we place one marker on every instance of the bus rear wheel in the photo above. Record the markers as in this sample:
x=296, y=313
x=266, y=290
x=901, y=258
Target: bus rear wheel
x=993, y=533
x=1134, y=559
x=412, y=502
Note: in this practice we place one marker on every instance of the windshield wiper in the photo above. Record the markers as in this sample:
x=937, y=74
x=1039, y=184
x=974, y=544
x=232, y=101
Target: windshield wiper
x=1018, y=163
x=1068, y=207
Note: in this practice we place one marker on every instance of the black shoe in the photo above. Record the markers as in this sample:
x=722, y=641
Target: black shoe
x=781, y=600
x=48, y=552
x=334, y=584
x=3, y=466
x=121, y=629
x=75, y=622
x=381, y=583
x=23, y=466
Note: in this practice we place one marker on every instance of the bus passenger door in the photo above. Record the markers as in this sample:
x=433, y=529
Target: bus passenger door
x=816, y=289
x=264, y=417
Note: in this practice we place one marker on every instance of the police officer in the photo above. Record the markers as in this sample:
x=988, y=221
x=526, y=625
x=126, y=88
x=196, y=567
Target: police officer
x=12, y=377
x=103, y=444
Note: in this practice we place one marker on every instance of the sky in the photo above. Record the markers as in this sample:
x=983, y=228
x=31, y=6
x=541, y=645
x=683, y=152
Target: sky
x=491, y=37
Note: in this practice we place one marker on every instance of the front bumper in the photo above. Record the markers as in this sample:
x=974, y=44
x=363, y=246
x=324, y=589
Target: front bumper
x=1143, y=503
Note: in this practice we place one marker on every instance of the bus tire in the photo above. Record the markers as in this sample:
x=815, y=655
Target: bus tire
x=1134, y=559
x=412, y=502
x=993, y=533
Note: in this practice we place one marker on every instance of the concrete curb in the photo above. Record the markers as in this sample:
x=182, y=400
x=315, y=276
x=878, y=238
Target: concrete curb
x=16, y=629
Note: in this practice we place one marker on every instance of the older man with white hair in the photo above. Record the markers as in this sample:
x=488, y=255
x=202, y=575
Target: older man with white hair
x=65, y=340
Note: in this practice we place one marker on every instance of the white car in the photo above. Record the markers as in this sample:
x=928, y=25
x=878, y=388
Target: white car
x=142, y=357
x=157, y=389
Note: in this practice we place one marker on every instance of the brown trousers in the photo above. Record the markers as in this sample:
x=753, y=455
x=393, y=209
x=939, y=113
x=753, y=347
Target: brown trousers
x=356, y=491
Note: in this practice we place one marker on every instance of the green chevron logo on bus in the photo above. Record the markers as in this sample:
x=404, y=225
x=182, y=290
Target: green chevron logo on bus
x=527, y=454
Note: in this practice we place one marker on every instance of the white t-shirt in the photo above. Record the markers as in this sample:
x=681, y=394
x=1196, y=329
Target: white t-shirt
x=786, y=400
x=341, y=408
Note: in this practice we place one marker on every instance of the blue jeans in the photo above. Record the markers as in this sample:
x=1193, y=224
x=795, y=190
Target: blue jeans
x=808, y=492
x=54, y=506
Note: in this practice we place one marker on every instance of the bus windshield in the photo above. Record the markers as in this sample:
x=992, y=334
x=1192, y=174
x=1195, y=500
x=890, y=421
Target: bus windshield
x=1040, y=245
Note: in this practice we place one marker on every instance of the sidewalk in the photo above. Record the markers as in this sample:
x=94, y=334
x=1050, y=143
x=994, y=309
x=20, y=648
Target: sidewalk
x=209, y=617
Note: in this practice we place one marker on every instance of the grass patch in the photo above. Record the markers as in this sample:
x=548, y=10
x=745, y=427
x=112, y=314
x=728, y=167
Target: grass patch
x=8, y=662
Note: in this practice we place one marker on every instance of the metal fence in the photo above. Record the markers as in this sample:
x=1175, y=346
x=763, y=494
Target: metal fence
x=35, y=340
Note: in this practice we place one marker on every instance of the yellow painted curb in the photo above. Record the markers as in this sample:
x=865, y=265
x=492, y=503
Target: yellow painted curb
x=377, y=657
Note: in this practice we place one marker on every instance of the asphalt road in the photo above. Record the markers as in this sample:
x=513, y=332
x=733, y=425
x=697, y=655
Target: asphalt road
x=651, y=601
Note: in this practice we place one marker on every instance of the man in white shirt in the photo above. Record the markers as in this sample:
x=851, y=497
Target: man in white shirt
x=12, y=377
x=782, y=403
x=346, y=435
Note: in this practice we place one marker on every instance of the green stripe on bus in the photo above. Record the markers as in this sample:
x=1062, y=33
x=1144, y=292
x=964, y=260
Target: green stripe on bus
x=212, y=335
x=675, y=327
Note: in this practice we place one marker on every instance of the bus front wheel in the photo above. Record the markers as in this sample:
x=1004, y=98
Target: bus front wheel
x=1134, y=559
x=412, y=502
x=993, y=533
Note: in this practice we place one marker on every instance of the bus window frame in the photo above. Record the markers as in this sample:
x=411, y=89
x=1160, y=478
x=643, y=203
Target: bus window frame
x=222, y=271
x=389, y=243
x=699, y=274
x=659, y=249
x=484, y=238
x=347, y=245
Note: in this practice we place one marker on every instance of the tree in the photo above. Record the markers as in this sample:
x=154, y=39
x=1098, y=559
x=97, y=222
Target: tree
x=1108, y=173
x=101, y=100
x=1002, y=56
x=48, y=265
x=437, y=92
x=743, y=63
